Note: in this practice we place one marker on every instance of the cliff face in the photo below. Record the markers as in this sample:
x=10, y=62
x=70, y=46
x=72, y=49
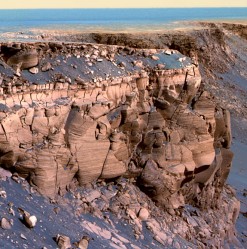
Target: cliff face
x=88, y=112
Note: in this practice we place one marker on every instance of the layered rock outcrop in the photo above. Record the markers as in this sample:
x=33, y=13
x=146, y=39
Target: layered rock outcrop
x=107, y=111
x=98, y=114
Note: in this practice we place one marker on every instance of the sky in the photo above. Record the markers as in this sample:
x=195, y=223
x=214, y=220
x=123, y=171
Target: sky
x=23, y=4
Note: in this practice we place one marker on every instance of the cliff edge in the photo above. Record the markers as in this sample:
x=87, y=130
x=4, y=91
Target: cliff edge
x=88, y=115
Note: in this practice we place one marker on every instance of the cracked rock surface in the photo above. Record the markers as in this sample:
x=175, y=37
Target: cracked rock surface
x=86, y=114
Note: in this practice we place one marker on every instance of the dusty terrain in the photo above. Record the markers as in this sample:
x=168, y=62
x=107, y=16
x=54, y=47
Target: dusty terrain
x=137, y=130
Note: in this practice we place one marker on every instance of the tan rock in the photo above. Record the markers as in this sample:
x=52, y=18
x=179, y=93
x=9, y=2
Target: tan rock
x=3, y=194
x=95, y=194
x=155, y=57
x=5, y=224
x=90, y=168
x=143, y=214
x=26, y=59
x=112, y=167
x=83, y=243
x=63, y=241
x=46, y=67
x=33, y=70
x=29, y=220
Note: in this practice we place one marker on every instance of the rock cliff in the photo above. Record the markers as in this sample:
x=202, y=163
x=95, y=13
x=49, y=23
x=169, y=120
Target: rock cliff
x=84, y=112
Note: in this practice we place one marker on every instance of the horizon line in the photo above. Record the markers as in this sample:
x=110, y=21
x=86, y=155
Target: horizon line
x=198, y=7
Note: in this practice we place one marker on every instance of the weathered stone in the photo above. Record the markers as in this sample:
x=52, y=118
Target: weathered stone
x=3, y=194
x=25, y=59
x=33, y=70
x=29, y=220
x=143, y=214
x=63, y=241
x=112, y=167
x=83, y=243
x=46, y=67
x=95, y=194
x=5, y=224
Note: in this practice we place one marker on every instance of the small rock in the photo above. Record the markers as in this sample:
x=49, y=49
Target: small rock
x=56, y=210
x=112, y=56
x=103, y=53
x=138, y=63
x=122, y=64
x=155, y=58
x=3, y=194
x=30, y=220
x=33, y=70
x=94, y=57
x=18, y=72
x=143, y=214
x=161, y=66
x=95, y=194
x=168, y=52
x=131, y=214
x=182, y=59
x=11, y=211
x=5, y=224
x=99, y=60
x=83, y=243
x=15, y=177
x=63, y=241
x=23, y=236
x=95, y=53
x=46, y=67
x=157, y=238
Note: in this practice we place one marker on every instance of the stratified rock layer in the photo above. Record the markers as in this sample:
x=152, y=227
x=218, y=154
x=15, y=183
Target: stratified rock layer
x=82, y=113
x=143, y=117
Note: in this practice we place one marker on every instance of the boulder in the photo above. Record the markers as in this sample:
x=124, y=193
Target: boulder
x=24, y=59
